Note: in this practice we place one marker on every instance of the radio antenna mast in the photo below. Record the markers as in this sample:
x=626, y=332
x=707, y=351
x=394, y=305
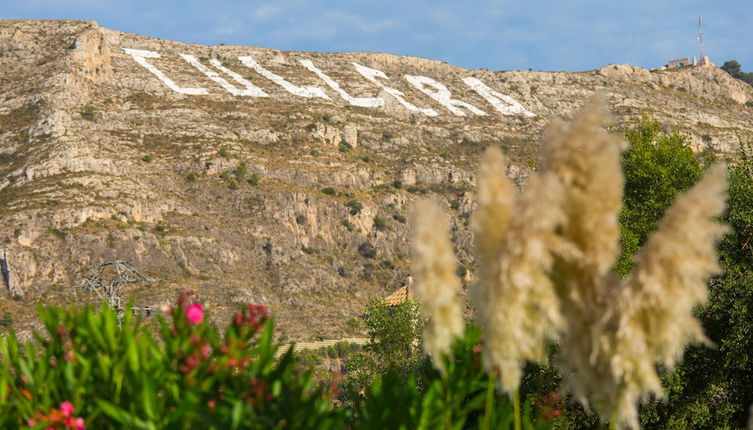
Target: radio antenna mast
x=700, y=36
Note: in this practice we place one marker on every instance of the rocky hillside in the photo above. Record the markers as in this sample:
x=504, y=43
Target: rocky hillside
x=282, y=178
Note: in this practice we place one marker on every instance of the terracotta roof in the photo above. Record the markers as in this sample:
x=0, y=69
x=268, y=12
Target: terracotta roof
x=399, y=296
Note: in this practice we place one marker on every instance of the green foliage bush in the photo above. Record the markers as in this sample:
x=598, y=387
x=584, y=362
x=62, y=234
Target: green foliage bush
x=253, y=179
x=89, y=113
x=735, y=70
x=381, y=224
x=241, y=171
x=713, y=388
x=391, y=385
x=7, y=319
x=354, y=207
x=192, y=376
x=344, y=147
x=658, y=166
x=113, y=373
x=367, y=250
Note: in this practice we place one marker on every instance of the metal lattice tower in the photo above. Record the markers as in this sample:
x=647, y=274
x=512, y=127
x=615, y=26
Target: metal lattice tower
x=109, y=278
x=700, y=37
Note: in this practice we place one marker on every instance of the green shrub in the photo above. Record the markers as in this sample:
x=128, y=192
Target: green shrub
x=397, y=184
x=329, y=191
x=7, y=319
x=380, y=224
x=89, y=113
x=147, y=158
x=354, y=207
x=658, y=166
x=348, y=225
x=713, y=388
x=253, y=179
x=241, y=171
x=60, y=234
x=191, y=177
x=344, y=147
x=115, y=374
x=367, y=250
x=353, y=323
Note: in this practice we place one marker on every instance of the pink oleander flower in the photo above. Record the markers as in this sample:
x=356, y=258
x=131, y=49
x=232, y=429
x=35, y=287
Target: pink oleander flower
x=31, y=422
x=194, y=313
x=66, y=408
x=79, y=424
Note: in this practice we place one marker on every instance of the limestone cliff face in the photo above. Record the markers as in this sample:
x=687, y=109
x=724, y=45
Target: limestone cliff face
x=282, y=178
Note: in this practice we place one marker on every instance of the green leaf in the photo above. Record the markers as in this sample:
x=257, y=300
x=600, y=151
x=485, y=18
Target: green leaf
x=123, y=417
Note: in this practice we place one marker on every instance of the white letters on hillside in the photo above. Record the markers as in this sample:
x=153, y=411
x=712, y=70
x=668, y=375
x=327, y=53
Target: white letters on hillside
x=140, y=57
x=510, y=107
x=441, y=94
x=502, y=103
x=371, y=102
x=371, y=75
x=307, y=92
x=250, y=90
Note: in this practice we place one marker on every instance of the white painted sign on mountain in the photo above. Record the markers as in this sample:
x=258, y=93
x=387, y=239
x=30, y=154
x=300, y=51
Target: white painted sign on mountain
x=437, y=91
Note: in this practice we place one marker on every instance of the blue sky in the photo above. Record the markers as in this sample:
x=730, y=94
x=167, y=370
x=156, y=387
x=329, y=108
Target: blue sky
x=492, y=34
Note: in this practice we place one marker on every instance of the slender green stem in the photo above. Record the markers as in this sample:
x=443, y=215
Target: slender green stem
x=489, y=404
x=613, y=421
x=448, y=406
x=516, y=408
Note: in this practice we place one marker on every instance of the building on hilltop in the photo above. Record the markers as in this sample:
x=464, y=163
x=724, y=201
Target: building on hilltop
x=683, y=62
x=689, y=61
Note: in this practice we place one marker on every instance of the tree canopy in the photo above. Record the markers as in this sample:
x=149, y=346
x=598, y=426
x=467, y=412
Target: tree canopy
x=735, y=70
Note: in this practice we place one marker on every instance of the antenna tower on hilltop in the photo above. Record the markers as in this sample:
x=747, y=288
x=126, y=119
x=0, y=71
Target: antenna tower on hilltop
x=700, y=37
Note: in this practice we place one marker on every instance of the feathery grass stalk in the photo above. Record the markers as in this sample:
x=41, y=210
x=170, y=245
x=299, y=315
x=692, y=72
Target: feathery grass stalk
x=515, y=299
x=437, y=285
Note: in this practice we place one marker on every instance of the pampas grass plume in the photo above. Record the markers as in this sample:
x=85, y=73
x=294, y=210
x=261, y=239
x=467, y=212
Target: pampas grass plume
x=522, y=312
x=670, y=277
x=437, y=287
